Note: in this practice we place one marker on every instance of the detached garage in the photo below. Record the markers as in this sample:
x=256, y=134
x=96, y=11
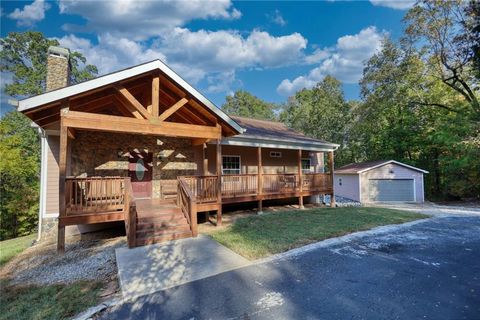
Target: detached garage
x=380, y=181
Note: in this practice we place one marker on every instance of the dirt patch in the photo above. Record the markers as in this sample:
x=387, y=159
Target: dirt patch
x=89, y=257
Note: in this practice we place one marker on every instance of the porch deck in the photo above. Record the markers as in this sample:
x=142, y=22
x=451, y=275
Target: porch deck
x=105, y=199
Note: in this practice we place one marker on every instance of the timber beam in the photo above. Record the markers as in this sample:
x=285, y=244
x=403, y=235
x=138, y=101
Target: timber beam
x=130, y=101
x=167, y=113
x=100, y=122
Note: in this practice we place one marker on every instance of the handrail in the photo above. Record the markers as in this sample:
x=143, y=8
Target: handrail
x=186, y=200
x=86, y=195
x=130, y=214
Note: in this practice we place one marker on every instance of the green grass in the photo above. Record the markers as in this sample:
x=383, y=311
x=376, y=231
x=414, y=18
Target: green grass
x=10, y=248
x=260, y=236
x=48, y=302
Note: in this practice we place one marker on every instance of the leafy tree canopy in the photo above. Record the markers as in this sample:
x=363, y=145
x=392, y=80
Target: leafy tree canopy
x=24, y=56
x=320, y=112
x=245, y=104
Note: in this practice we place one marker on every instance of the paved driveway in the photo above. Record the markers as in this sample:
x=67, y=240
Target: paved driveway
x=430, y=270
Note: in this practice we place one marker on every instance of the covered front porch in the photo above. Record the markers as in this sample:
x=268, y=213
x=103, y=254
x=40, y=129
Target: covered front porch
x=179, y=187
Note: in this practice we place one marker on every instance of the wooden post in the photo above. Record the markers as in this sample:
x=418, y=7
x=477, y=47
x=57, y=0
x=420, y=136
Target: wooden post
x=155, y=96
x=62, y=172
x=259, y=180
x=219, y=183
x=331, y=166
x=204, y=159
x=300, y=180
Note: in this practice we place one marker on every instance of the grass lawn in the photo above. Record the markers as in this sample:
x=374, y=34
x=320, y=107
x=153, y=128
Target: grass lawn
x=48, y=302
x=10, y=248
x=260, y=236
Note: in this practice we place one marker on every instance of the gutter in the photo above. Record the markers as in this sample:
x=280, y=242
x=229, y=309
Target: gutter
x=43, y=177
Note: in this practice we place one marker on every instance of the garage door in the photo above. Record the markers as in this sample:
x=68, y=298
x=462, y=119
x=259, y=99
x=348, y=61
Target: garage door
x=391, y=190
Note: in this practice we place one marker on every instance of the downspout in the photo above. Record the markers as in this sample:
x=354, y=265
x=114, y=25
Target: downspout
x=43, y=177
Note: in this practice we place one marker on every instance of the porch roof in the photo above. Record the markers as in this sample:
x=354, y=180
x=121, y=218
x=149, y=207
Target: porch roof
x=272, y=134
x=55, y=96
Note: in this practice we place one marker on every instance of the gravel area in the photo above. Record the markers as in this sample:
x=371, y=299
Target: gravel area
x=342, y=202
x=87, y=257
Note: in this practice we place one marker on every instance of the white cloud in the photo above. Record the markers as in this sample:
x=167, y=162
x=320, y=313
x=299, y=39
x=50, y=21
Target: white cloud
x=111, y=53
x=30, y=14
x=277, y=18
x=213, y=56
x=345, y=61
x=394, y=4
x=140, y=20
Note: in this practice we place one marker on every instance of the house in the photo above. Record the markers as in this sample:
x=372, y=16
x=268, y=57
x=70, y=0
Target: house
x=380, y=181
x=142, y=146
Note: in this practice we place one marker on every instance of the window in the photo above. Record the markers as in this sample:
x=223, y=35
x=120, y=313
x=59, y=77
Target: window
x=275, y=154
x=306, y=167
x=231, y=165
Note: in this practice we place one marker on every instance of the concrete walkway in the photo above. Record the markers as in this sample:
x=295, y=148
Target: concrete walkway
x=148, y=269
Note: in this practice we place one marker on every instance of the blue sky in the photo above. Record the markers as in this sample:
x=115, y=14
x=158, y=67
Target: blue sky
x=270, y=49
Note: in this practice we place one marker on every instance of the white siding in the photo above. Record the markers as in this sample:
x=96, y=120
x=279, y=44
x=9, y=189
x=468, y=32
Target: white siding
x=392, y=171
x=349, y=187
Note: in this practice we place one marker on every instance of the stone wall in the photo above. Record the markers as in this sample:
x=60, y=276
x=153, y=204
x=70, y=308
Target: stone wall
x=107, y=154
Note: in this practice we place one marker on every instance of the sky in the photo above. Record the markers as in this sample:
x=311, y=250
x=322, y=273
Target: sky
x=271, y=49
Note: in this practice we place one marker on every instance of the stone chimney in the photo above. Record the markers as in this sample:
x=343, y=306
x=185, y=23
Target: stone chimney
x=58, y=68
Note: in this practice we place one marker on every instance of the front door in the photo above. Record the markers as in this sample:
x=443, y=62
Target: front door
x=140, y=171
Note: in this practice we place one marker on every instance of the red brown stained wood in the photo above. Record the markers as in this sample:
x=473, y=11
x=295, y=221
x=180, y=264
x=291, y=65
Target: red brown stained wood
x=219, y=182
x=62, y=171
x=300, y=180
x=331, y=165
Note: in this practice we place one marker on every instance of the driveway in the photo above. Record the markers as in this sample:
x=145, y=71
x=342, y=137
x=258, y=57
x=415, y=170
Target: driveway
x=429, y=270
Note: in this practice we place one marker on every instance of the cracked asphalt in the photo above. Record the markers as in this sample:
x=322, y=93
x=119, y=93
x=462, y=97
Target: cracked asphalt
x=430, y=270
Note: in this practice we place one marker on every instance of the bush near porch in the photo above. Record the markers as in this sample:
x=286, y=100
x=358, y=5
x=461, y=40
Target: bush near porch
x=260, y=236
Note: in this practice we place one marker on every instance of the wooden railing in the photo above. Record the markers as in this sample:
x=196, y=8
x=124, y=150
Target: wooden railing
x=321, y=182
x=94, y=195
x=239, y=185
x=204, y=188
x=186, y=200
x=280, y=183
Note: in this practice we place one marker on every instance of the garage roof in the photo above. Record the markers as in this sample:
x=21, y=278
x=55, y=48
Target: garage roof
x=356, y=168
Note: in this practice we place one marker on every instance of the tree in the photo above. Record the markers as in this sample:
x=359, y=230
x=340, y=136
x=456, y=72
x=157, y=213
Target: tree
x=391, y=124
x=19, y=172
x=24, y=56
x=443, y=30
x=245, y=104
x=320, y=112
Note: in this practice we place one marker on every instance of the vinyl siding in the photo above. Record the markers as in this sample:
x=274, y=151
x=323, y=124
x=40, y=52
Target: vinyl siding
x=287, y=163
x=399, y=172
x=51, y=201
x=349, y=187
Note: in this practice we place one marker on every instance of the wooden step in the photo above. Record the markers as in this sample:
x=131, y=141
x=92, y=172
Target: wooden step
x=148, y=228
x=166, y=236
x=159, y=220
x=159, y=213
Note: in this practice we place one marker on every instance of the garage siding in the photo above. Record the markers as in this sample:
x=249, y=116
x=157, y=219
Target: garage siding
x=347, y=185
x=399, y=172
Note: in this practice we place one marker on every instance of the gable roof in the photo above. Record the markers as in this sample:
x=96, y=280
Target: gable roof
x=265, y=133
x=356, y=168
x=108, y=79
